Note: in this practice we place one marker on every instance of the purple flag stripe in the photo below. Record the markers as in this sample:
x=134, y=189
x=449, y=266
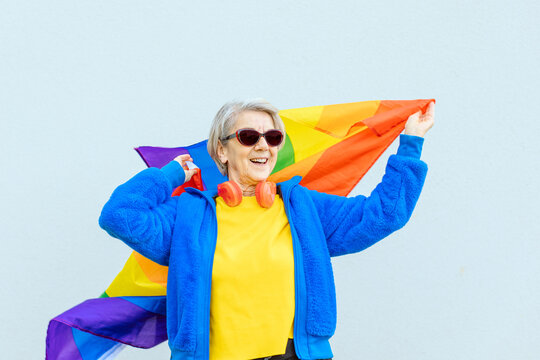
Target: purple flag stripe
x=60, y=344
x=159, y=157
x=117, y=319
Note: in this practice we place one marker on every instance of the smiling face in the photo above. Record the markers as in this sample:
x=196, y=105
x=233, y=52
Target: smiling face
x=248, y=165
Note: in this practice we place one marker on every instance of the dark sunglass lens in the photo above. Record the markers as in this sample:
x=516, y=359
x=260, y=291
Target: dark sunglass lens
x=273, y=137
x=248, y=137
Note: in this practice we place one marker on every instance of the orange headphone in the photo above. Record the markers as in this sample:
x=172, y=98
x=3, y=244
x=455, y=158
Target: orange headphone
x=265, y=193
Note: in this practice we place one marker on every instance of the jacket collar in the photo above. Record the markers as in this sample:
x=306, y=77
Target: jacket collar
x=285, y=187
x=207, y=194
x=295, y=180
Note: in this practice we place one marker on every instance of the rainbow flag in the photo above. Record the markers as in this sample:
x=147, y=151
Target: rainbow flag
x=330, y=146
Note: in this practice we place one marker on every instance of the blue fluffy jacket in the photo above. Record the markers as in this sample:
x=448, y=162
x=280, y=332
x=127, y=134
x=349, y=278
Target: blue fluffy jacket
x=181, y=232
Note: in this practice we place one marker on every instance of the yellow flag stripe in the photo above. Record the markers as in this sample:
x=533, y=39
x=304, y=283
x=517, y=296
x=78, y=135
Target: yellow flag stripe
x=132, y=281
x=308, y=116
x=307, y=141
x=338, y=120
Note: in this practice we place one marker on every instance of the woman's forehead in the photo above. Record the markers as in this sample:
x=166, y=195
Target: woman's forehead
x=258, y=120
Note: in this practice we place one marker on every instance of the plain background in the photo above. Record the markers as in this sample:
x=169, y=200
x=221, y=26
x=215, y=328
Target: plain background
x=83, y=82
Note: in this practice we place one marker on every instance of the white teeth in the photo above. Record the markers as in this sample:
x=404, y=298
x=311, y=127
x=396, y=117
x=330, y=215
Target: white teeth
x=259, y=161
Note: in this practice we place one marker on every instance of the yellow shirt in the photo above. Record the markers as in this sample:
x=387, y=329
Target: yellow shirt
x=252, y=300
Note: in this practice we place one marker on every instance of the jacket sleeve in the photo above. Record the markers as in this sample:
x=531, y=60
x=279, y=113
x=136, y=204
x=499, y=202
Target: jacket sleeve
x=142, y=211
x=353, y=224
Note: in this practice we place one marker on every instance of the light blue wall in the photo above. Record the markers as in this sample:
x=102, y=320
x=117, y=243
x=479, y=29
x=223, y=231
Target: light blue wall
x=83, y=82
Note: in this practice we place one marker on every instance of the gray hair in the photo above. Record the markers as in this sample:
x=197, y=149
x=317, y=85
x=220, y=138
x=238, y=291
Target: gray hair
x=226, y=118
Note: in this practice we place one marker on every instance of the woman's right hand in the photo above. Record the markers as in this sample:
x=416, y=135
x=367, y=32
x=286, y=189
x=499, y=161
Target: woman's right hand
x=418, y=124
x=182, y=160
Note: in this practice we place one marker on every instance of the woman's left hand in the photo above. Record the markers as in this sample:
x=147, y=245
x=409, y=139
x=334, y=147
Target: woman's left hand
x=182, y=159
x=418, y=124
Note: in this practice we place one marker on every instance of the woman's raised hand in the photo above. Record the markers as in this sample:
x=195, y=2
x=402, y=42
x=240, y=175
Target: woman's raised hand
x=182, y=160
x=418, y=124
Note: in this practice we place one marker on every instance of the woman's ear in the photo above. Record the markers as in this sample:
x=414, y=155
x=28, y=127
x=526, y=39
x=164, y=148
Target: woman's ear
x=222, y=152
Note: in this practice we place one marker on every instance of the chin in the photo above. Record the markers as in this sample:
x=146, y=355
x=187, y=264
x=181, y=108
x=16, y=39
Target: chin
x=259, y=174
x=258, y=178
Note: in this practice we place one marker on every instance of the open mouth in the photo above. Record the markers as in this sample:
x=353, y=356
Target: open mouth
x=259, y=161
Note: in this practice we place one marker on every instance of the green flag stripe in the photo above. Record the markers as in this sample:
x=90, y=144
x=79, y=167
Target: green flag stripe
x=285, y=155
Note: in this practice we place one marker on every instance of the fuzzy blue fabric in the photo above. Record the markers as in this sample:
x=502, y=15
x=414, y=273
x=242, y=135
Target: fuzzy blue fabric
x=181, y=232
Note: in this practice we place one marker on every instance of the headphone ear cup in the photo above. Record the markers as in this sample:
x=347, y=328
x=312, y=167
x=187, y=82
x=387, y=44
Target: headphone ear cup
x=231, y=193
x=265, y=192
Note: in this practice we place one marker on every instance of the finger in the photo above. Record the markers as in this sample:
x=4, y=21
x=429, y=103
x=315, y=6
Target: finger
x=190, y=174
x=415, y=116
x=183, y=158
x=430, y=112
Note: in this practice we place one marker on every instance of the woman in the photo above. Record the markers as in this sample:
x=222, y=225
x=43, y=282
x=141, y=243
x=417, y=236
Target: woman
x=254, y=280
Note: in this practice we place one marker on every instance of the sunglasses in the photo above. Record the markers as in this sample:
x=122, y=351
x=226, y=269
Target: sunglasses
x=250, y=137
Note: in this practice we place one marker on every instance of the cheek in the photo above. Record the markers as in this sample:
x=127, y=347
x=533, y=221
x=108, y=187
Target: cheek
x=274, y=155
x=241, y=159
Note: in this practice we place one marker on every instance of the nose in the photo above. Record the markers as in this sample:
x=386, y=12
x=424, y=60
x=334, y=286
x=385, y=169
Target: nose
x=261, y=144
